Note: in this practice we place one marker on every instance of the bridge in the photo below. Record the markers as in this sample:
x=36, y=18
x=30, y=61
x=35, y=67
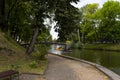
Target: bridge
x=55, y=43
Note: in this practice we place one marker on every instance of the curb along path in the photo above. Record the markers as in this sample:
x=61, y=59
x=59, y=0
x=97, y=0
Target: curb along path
x=60, y=68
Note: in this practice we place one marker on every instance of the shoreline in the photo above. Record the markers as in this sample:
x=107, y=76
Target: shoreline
x=101, y=49
x=104, y=47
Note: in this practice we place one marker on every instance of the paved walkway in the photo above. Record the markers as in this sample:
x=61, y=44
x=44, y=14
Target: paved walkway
x=31, y=77
x=65, y=69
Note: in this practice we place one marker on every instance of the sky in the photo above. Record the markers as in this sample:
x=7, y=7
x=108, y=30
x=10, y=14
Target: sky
x=84, y=2
x=79, y=5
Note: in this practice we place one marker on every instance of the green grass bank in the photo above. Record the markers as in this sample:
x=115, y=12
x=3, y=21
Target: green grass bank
x=106, y=46
x=13, y=56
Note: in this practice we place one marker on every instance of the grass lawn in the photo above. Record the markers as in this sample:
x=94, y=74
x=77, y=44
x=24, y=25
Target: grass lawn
x=22, y=65
x=41, y=66
x=13, y=56
x=114, y=47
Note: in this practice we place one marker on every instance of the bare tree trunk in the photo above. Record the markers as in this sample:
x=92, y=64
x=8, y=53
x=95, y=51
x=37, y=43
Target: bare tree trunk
x=33, y=40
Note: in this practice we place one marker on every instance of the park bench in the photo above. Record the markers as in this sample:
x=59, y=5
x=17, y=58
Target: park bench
x=9, y=75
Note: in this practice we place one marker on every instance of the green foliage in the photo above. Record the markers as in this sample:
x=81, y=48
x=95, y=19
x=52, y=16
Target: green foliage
x=22, y=17
x=106, y=46
x=73, y=46
x=100, y=24
x=87, y=24
x=18, y=60
x=109, y=29
x=39, y=52
x=79, y=45
x=36, y=55
x=17, y=19
x=67, y=17
x=33, y=64
x=15, y=66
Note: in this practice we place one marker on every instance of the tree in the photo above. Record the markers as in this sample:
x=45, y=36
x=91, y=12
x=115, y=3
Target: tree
x=88, y=22
x=109, y=27
x=2, y=13
x=67, y=18
x=63, y=15
x=20, y=22
x=39, y=15
x=24, y=19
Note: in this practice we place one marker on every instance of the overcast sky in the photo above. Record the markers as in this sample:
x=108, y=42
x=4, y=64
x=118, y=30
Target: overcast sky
x=79, y=5
x=84, y=2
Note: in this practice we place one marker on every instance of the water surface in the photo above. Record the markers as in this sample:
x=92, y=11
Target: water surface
x=108, y=59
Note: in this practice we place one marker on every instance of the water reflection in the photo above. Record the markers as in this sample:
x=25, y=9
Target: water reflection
x=108, y=59
x=53, y=49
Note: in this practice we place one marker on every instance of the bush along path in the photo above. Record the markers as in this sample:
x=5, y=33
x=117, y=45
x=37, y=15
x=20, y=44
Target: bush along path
x=65, y=69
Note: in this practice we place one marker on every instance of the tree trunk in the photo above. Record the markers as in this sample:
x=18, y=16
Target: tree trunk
x=33, y=40
x=2, y=13
x=2, y=7
x=8, y=15
x=78, y=35
x=11, y=9
x=82, y=39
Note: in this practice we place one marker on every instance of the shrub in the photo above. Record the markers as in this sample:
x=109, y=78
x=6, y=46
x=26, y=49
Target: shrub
x=73, y=46
x=79, y=45
x=33, y=64
x=39, y=52
x=15, y=66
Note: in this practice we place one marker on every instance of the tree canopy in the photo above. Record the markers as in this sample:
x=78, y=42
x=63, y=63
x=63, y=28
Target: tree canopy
x=100, y=24
x=24, y=20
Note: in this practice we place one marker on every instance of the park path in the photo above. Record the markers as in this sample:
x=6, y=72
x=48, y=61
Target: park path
x=60, y=68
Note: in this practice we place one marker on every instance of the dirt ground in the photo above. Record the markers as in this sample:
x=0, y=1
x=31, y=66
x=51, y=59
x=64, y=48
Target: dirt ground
x=65, y=69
